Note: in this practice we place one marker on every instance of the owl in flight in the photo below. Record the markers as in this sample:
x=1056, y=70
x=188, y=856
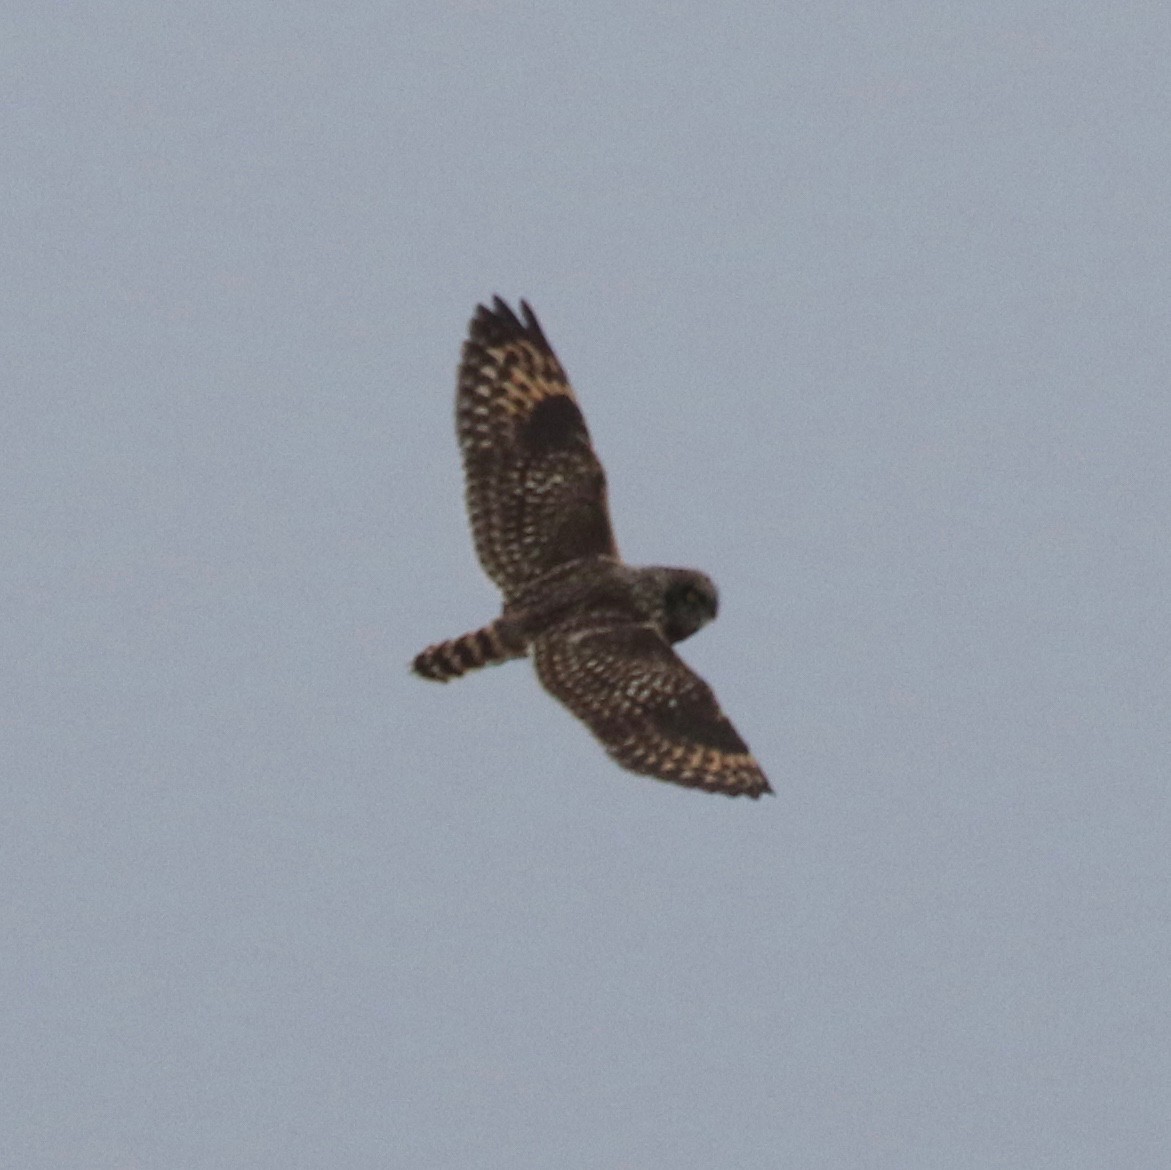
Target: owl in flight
x=599, y=631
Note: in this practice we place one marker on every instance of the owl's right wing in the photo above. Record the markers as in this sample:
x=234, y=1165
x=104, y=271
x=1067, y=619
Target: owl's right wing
x=536, y=492
x=649, y=710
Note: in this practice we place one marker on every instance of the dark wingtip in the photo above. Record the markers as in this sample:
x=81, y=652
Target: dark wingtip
x=504, y=311
x=499, y=324
x=765, y=789
x=534, y=326
x=752, y=793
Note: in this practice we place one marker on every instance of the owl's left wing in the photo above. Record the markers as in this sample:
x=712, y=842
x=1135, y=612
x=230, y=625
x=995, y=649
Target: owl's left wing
x=650, y=711
x=536, y=492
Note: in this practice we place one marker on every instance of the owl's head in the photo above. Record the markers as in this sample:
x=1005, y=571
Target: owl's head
x=688, y=602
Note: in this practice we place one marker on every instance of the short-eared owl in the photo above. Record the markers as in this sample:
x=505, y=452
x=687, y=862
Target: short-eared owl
x=599, y=631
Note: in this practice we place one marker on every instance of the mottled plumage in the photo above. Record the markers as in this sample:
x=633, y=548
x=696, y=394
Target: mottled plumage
x=599, y=631
x=536, y=493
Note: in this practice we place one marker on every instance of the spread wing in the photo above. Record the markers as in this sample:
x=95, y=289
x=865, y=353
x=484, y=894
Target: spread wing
x=650, y=711
x=536, y=493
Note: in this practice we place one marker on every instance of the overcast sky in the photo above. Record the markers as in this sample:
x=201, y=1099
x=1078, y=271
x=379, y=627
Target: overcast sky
x=867, y=307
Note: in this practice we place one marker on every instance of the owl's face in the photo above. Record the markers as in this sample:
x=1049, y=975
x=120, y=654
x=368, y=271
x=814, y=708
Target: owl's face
x=690, y=601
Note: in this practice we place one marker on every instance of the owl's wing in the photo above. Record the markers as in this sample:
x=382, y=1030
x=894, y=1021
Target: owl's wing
x=536, y=493
x=650, y=711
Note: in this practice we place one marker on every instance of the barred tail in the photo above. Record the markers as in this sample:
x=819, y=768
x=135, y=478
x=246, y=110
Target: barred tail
x=450, y=659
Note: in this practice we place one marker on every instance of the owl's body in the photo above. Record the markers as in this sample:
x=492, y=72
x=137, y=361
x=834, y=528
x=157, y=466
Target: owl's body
x=599, y=631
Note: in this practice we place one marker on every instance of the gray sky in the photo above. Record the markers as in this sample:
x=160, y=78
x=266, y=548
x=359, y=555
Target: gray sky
x=867, y=306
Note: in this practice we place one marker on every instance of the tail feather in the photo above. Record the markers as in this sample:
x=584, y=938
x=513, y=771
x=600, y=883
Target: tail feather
x=456, y=656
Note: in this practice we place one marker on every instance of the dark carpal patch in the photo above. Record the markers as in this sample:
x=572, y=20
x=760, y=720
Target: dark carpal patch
x=554, y=423
x=702, y=724
x=584, y=533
